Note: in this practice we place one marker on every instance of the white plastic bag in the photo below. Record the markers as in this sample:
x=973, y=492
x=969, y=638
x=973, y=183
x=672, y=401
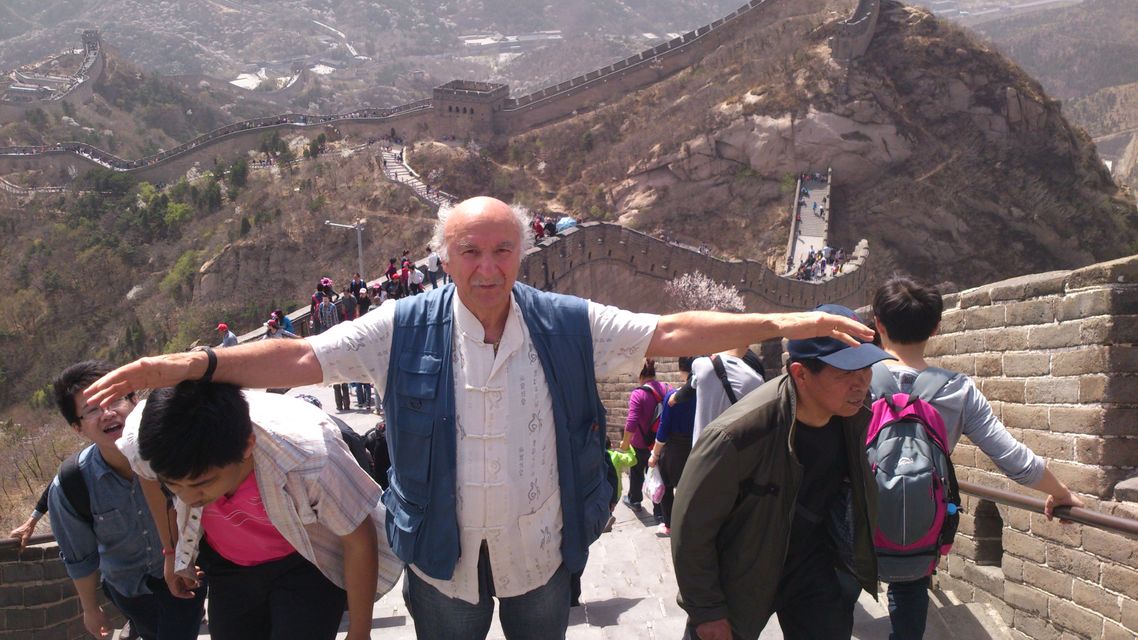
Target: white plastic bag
x=654, y=485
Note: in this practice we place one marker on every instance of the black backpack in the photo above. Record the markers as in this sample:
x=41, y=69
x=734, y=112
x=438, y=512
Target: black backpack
x=75, y=487
x=375, y=441
x=361, y=451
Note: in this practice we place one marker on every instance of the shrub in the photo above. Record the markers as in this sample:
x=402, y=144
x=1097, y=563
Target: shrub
x=181, y=276
x=694, y=291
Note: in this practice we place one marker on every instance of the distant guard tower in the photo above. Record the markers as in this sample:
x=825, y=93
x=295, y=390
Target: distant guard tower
x=465, y=108
x=91, y=41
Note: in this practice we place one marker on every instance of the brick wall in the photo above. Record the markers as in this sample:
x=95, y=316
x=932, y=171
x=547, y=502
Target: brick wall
x=615, y=390
x=37, y=599
x=1055, y=354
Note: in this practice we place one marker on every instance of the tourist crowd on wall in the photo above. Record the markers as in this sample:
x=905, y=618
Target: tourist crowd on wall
x=821, y=264
x=271, y=501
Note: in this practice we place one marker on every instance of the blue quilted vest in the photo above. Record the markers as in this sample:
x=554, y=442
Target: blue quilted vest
x=422, y=522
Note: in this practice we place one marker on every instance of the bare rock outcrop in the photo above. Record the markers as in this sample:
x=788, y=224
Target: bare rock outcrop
x=953, y=162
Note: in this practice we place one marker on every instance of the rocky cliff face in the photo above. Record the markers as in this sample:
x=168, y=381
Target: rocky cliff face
x=948, y=158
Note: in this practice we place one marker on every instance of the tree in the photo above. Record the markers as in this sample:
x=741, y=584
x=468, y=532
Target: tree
x=210, y=197
x=146, y=193
x=177, y=214
x=37, y=118
x=695, y=291
x=179, y=281
x=238, y=173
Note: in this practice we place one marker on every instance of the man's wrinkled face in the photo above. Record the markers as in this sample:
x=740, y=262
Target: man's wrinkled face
x=838, y=392
x=484, y=256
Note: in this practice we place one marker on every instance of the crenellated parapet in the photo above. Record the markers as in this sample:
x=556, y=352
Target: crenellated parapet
x=616, y=265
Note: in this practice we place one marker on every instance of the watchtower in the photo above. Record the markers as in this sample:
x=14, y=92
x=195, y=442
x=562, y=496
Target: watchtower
x=467, y=108
x=91, y=40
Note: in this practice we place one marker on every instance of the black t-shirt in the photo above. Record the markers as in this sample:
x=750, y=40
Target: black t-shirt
x=822, y=453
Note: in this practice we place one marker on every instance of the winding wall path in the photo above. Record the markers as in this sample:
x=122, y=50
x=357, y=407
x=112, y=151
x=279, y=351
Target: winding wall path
x=417, y=119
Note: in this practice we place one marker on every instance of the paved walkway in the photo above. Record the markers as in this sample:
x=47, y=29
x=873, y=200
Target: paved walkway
x=628, y=591
x=397, y=170
x=814, y=228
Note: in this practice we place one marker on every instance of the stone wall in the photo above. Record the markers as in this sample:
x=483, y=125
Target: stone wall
x=80, y=93
x=612, y=82
x=612, y=264
x=854, y=35
x=615, y=265
x=226, y=144
x=423, y=119
x=1055, y=354
x=37, y=599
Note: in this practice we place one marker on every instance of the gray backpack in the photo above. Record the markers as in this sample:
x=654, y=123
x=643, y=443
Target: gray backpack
x=918, y=499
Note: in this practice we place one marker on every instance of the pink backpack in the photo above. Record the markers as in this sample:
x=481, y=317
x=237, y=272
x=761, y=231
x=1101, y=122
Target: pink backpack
x=917, y=495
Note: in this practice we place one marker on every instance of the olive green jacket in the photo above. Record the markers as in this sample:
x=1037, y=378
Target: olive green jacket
x=735, y=503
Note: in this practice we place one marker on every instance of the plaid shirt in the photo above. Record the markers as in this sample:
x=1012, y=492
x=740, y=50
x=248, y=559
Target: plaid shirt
x=328, y=315
x=313, y=490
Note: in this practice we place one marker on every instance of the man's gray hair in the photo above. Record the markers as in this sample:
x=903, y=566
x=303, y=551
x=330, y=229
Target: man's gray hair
x=521, y=216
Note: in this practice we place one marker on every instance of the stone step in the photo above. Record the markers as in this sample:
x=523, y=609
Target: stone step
x=949, y=619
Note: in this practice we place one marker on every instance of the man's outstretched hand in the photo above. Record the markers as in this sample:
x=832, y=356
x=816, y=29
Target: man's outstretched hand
x=145, y=373
x=815, y=324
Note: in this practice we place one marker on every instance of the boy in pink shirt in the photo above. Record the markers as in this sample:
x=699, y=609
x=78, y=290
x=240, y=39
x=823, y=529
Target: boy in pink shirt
x=271, y=506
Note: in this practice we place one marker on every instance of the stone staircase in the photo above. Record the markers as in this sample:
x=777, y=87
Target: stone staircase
x=396, y=169
x=813, y=229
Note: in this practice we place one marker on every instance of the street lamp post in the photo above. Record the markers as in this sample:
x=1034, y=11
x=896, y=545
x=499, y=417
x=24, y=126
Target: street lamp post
x=359, y=227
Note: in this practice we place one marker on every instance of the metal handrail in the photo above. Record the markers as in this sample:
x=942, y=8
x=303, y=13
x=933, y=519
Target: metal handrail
x=1082, y=515
x=37, y=539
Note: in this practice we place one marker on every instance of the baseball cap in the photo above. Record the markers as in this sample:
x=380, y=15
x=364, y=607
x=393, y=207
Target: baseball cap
x=834, y=352
x=222, y=327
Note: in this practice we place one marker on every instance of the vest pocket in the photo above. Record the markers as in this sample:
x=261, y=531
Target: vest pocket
x=410, y=433
x=595, y=509
x=402, y=525
x=417, y=386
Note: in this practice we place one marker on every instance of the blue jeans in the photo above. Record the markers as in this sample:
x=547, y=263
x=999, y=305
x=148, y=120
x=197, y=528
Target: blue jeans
x=363, y=393
x=541, y=614
x=159, y=615
x=908, y=608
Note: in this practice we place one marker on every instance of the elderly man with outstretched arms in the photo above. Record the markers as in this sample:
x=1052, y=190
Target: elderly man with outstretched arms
x=495, y=428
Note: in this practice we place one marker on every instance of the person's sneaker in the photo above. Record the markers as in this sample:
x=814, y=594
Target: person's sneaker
x=635, y=506
x=128, y=632
x=663, y=530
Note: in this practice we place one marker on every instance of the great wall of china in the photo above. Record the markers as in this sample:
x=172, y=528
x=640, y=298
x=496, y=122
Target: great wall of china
x=460, y=109
x=1055, y=352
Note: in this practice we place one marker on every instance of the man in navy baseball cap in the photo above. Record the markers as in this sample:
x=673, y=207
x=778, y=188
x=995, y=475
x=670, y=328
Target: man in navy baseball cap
x=834, y=352
x=779, y=483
